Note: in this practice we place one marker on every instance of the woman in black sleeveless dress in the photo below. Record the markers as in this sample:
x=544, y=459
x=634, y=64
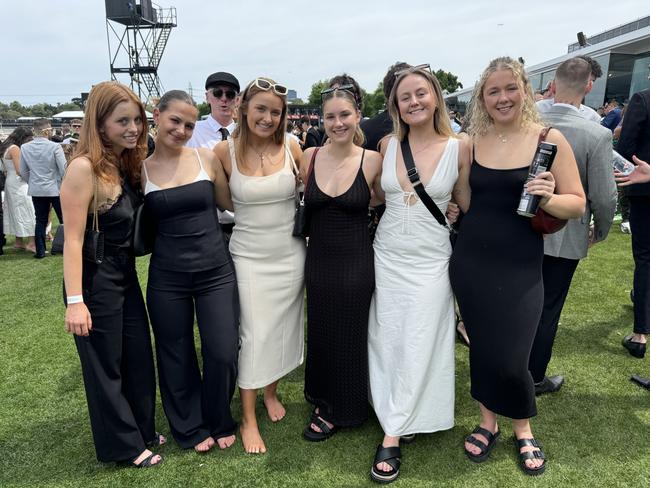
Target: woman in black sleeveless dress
x=104, y=306
x=190, y=274
x=496, y=264
x=339, y=270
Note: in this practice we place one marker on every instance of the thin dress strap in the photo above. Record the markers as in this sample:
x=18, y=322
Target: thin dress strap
x=196, y=151
x=362, y=156
x=144, y=167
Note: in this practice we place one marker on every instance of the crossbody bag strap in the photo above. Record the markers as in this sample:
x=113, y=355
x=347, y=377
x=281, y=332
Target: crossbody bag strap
x=414, y=177
x=542, y=135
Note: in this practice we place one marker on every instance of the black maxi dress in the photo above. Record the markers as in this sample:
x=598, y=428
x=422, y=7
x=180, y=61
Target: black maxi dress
x=340, y=279
x=496, y=275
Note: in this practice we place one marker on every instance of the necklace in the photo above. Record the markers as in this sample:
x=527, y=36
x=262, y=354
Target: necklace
x=260, y=154
x=502, y=138
x=423, y=148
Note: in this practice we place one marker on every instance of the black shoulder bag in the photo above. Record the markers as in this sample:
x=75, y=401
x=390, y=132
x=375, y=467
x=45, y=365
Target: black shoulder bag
x=414, y=177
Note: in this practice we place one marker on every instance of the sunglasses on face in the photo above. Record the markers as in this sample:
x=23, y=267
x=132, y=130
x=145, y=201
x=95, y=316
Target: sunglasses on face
x=330, y=91
x=76, y=126
x=266, y=85
x=219, y=92
x=413, y=69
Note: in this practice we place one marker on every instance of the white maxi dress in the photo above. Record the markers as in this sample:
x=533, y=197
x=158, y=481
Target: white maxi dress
x=411, y=328
x=18, y=209
x=269, y=263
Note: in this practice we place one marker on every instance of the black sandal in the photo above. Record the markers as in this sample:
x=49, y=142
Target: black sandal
x=485, y=448
x=391, y=456
x=525, y=456
x=145, y=463
x=157, y=441
x=325, y=430
x=407, y=439
x=459, y=335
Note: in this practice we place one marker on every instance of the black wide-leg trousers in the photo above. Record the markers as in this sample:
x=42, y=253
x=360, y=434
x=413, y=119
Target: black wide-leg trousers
x=640, y=227
x=117, y=361
x=196, y=407
x=557, y=274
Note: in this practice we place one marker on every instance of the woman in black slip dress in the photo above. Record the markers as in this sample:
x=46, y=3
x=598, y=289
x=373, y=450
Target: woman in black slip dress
x=496, y=264
x=339, y=269
x=104, y=306
x=190, y=274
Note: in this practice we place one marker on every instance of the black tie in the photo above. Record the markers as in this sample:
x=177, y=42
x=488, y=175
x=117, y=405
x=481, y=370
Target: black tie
x=224, y=133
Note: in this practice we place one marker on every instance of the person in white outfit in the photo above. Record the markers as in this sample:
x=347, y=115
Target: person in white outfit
x=18, y=213
x=260, y=163
x=411, y=327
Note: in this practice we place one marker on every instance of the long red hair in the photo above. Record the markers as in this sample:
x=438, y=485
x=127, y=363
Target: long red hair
x=102, y=100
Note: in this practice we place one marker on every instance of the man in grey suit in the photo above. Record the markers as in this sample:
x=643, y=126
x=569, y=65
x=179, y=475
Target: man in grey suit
x=42, y=166
x=592, y=147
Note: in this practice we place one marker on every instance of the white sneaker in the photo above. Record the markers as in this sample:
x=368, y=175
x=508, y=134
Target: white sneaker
x=625, y=227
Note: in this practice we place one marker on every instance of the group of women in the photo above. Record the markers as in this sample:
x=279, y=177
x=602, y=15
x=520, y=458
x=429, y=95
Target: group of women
x=381, y=316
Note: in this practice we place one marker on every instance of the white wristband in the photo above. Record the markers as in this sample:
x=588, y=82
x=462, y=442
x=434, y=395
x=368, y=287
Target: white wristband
x=75, y=299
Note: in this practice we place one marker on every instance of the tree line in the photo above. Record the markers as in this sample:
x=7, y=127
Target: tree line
x=15, y=109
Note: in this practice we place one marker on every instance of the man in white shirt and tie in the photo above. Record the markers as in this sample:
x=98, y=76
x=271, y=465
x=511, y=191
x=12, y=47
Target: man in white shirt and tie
x=221, y=92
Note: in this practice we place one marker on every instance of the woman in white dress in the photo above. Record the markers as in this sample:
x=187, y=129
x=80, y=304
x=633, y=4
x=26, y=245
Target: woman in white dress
x=411, y=326
x=260, y=163
x=19, y=218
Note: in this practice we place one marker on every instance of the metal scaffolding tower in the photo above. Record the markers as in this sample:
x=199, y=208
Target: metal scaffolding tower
x=137, y=32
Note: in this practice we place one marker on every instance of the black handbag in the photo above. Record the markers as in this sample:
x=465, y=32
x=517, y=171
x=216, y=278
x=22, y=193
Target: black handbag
x=414, y=177
x=93, y=245
x=300, y=220
x=144, y=232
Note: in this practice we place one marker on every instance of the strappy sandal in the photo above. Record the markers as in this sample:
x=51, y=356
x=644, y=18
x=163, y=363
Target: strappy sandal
x=407, y=439
x=462, y=338
x=391, y=456
x=525, y=456
x=485, y=448
x=325, y=430
x=157, y=441
x=145, y=463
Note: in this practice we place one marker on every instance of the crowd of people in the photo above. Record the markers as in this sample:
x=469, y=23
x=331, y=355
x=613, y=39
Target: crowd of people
x=217, y=201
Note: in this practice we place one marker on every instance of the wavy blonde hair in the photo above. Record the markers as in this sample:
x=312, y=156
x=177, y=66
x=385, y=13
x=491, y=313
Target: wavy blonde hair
x=480, y=120
x=102, y=100
x=441, y=123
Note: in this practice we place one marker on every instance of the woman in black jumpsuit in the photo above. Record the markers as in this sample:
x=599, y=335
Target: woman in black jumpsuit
x=105, y=309
x=190, y=274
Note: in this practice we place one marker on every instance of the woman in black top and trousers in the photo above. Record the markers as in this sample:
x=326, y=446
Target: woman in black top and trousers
x=190, y=274
x=104, y=305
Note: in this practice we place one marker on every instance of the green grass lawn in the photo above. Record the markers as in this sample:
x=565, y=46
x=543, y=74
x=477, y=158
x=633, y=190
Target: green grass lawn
x=595, y=431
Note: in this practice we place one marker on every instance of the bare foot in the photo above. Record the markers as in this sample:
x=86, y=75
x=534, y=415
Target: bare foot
x=226, y=442
x=388, y=442
x=274, y=408
x=251, y=438
x=205, y=445
x=145, y=454
x=30, y=249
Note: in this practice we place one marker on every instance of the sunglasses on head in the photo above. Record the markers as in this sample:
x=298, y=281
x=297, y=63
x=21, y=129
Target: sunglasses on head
x=347, y=88
x=219, y=92
x=266, y=85
x=413, y=69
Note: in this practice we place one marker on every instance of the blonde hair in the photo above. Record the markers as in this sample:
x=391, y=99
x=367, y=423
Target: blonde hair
x=241, y=134
x=441, y=123
x=102, y=100
x=359, y=138
x=480, y=120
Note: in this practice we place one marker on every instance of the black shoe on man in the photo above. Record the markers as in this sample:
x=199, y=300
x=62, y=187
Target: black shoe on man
x=550, y=384
x=636, y=349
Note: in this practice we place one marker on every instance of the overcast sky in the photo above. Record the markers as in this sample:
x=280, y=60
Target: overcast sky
x=54, y=50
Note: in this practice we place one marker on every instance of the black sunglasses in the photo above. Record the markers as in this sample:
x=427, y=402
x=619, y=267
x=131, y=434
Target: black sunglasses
x=329, y=91
x=218, y=93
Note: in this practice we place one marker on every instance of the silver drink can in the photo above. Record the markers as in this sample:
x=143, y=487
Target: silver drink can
x=543, y=160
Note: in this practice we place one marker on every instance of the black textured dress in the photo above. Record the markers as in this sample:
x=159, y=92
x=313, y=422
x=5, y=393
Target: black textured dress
x=340, y=279
x=496, y=275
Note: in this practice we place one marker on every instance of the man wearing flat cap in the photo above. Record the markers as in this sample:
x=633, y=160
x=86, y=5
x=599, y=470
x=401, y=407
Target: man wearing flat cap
x=221, y=91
